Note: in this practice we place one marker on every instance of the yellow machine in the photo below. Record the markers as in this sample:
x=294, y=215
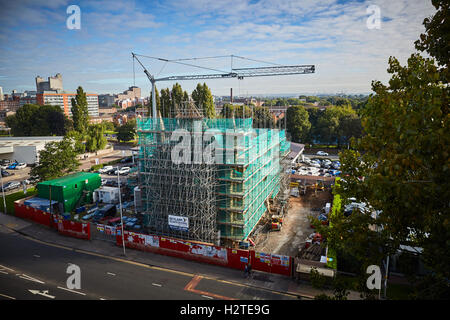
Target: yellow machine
x=277, y=221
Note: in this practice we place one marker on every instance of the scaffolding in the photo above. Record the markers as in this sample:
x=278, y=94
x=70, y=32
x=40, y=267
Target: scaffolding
x=221, y=192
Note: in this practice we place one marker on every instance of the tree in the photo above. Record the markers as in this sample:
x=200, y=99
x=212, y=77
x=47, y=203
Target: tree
x=35, y=120
x=405, y=165
x=77, y=140
x=227, y=110
x=127, y=131
x=262, y=118
x=80, y=114
x=176, y=96
x=166, y=103
x=204, y=101
x=297, y=123
x=108, y=125
x=436, y=39
x=56, y=160
x=95, y=138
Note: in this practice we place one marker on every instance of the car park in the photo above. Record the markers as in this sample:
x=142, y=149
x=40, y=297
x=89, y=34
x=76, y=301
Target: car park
x=322, y=153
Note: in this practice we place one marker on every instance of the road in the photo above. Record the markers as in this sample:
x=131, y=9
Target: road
x=31, y=269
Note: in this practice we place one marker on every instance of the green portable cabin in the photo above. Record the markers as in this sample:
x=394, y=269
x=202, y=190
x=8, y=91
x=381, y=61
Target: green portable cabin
x=72, y=190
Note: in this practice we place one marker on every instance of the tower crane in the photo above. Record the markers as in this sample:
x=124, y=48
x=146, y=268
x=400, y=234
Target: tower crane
x=239, y=73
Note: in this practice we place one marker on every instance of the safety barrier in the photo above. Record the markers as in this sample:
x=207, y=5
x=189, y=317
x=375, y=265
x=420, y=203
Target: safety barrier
x=74, y=229
x=207, y=253
x=33, y=214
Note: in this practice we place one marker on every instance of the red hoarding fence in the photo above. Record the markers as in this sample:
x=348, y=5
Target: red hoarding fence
x=74, y=229
x=196, y=251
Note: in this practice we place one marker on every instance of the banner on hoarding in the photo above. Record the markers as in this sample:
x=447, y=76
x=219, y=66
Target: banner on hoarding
x=178, y=223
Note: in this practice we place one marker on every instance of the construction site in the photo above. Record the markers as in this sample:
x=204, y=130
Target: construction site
x=221, y=201
x=230, y=184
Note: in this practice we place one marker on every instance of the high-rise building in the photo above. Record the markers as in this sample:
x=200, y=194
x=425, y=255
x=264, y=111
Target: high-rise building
x=1, y=94
x=53, y=83
x=64, y=101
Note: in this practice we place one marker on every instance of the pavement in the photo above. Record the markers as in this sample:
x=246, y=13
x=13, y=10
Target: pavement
x=263, y=285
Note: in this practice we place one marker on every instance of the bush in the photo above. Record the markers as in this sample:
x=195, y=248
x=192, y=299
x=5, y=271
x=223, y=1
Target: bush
x=96, y=167
x=10, y=198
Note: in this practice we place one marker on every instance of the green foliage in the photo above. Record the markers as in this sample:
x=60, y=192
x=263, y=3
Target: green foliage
x=298, y=124
x=317, y=280
x=404, y=160
x=10, y=198
x=35, y=120
x=78, y=141
x=80, y=115
x=56, y=160
x=262, y=118
x=96, y=167
x=203, y=100
x=127, y=131
x=95, y=138
x=436, y=40
x=108, y=125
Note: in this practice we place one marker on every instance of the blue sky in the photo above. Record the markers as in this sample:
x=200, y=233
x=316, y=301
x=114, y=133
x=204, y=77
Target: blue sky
x=331, y=34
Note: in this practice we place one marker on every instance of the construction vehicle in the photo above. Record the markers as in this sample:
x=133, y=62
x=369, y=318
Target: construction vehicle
x=276, y=222
x=319, y=185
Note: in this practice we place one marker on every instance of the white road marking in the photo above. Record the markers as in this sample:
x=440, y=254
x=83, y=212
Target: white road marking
x=36, y=256
x=4, y=295
x=207, y=297
x=157, y=284
x=102, y=299
x=111, y=274
x=24, y=276
x=1, y=271
x=3, y=267
x=83, y=294
x=43, y=293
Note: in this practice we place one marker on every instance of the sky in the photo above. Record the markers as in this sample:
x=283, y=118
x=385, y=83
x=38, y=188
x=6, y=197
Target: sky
x=341, y=38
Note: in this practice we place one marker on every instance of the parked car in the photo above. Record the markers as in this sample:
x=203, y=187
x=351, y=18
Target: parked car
x=4, y=166
x=21, y=165
x=33, y=179
x=321, y=153
x=6, y=173
x=13, y=165
x=111, y=183
x=123, y=170
x=106, y=169
x=125, y=160
x=11, y=185
x=336, y=165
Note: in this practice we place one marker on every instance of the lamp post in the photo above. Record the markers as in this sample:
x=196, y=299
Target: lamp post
x=3, y=192
x=120, y=209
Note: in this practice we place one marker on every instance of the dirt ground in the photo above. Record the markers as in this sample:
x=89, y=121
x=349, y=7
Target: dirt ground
x=296, y=226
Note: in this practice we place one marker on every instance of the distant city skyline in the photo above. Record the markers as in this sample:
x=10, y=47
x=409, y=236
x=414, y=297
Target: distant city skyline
x=334, y=35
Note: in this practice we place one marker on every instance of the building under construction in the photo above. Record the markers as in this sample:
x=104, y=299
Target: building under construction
x=209, y=180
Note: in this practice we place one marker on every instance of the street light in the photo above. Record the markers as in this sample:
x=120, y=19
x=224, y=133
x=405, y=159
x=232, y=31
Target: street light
x=3, y=191
x=120, y=208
